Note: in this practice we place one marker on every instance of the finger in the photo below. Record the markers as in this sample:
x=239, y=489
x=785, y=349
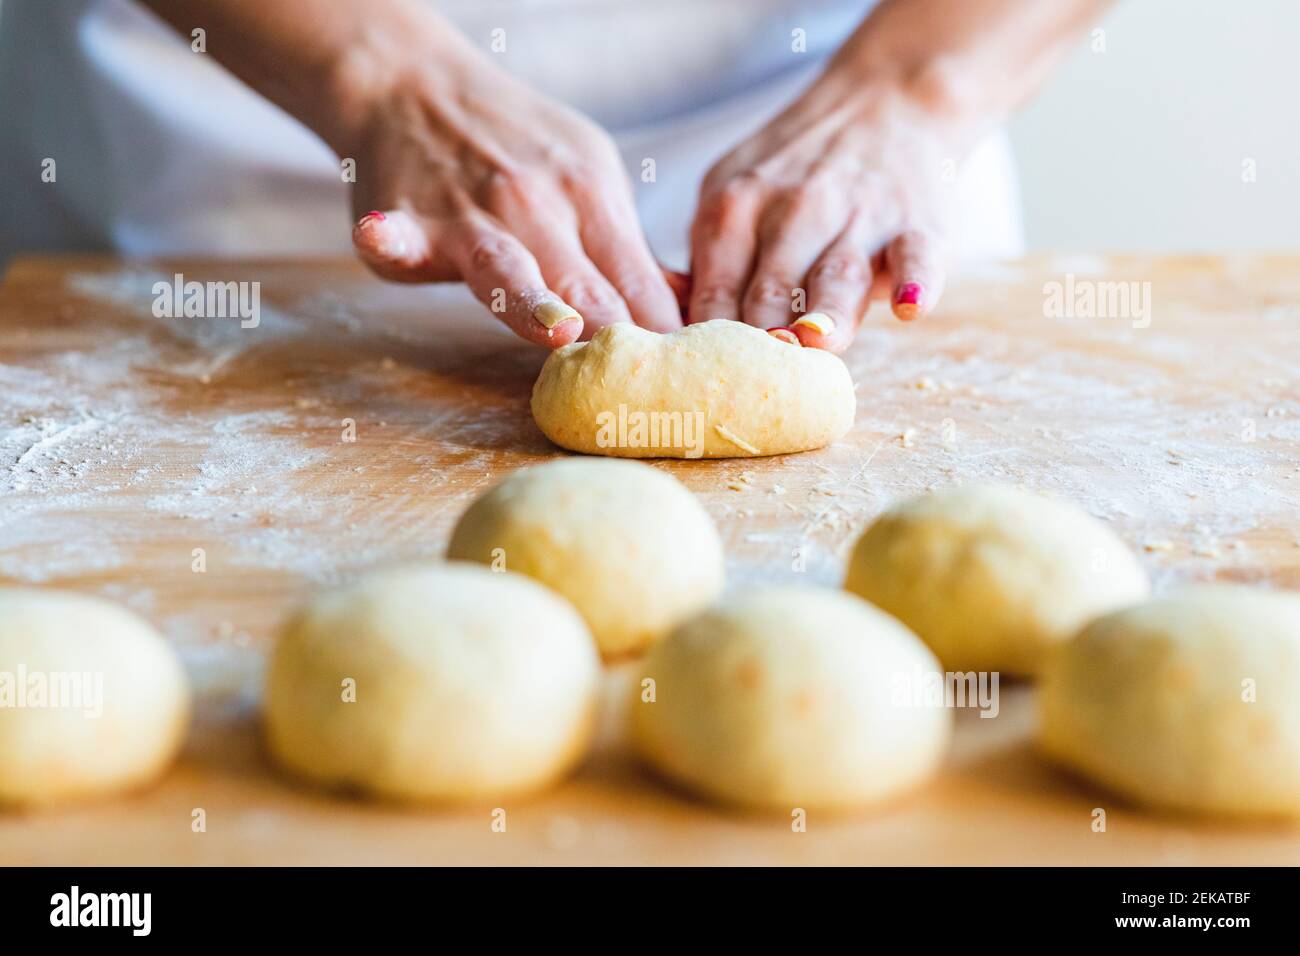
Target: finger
x=723, y=241
x=546, y=223
x=506, y=278
x=793, y=236
x=839, y=287
x=575, y=279
x=619, y=250
x=916, y=267
x=397, y=247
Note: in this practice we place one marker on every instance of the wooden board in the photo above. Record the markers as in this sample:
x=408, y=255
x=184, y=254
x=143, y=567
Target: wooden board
x=129, y=441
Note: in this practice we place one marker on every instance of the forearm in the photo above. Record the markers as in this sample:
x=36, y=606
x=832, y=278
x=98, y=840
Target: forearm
x=970, y=61
x=323, y=61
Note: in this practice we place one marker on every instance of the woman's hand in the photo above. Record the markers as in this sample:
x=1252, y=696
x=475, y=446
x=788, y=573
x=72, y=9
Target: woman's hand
x=463, y=173
x=836, y=199
x=471, y=176
x=841, y=196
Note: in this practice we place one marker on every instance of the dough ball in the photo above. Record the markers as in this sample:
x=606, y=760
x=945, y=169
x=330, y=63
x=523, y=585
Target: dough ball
x=789, y=698
x=627, y=544
x=991, y=576
x=715, y=389
x=92, y=699
x=433, y=682
x=1189, y=703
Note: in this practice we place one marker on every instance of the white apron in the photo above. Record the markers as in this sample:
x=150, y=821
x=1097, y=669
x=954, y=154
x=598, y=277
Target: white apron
x=159, y=151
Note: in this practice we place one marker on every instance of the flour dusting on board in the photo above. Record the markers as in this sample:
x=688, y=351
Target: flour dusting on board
x=134, y=449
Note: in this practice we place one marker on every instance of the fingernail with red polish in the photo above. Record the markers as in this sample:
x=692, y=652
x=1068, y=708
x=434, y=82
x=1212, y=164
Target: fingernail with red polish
x=373, y=214
x=909, y=294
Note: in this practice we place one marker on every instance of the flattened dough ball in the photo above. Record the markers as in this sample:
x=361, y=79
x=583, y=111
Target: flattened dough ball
x=992, y=576
x=433, y=682
x=627, y=544
x=716, y=389
x=789, y=698
x=92, y=699
x=1189, y=703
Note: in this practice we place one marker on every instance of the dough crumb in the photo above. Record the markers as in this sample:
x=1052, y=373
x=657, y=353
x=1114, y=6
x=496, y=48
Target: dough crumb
x=742, y=482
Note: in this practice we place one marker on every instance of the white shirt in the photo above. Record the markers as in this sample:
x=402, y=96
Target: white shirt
x=158, y=150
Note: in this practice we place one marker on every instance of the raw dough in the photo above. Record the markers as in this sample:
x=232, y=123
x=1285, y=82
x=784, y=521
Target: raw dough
x=717, y=389
x=1190, y=703
x=627, y=544
x=92, y=699
x=991, y=576
x=465, y=683
x=788, y=698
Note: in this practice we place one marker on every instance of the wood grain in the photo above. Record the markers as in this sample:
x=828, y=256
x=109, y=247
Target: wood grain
x=128, y=441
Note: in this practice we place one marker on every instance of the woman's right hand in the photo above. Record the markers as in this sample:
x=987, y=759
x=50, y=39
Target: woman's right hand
x=465, y=174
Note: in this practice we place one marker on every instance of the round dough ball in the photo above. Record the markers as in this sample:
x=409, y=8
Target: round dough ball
x=433, y=682
x=92, y=699
x=991, y=576
x=627, y=544
x=1190, y=703
x=789, y=698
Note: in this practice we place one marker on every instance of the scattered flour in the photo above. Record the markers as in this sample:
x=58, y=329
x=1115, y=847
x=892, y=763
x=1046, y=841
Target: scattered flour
x=112, y=472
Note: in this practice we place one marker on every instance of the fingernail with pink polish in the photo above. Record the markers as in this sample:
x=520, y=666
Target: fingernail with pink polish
x=374, y=214
x=909, y=294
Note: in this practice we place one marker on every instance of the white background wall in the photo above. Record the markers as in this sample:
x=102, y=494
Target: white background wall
x=1141, y=147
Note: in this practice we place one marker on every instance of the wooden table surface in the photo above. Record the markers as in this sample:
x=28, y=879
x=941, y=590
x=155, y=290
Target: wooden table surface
x=128, y=441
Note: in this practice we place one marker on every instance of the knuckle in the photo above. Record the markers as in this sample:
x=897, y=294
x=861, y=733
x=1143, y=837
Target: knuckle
x=581, y=177
x=585, y=293
x=632, y=286
x=734, y=195
x=489, y=251
x=842, y=267
x=716, y=293
x=768, y=291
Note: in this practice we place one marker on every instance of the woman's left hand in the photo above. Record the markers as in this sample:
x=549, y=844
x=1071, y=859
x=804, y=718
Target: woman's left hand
x=835, y=202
